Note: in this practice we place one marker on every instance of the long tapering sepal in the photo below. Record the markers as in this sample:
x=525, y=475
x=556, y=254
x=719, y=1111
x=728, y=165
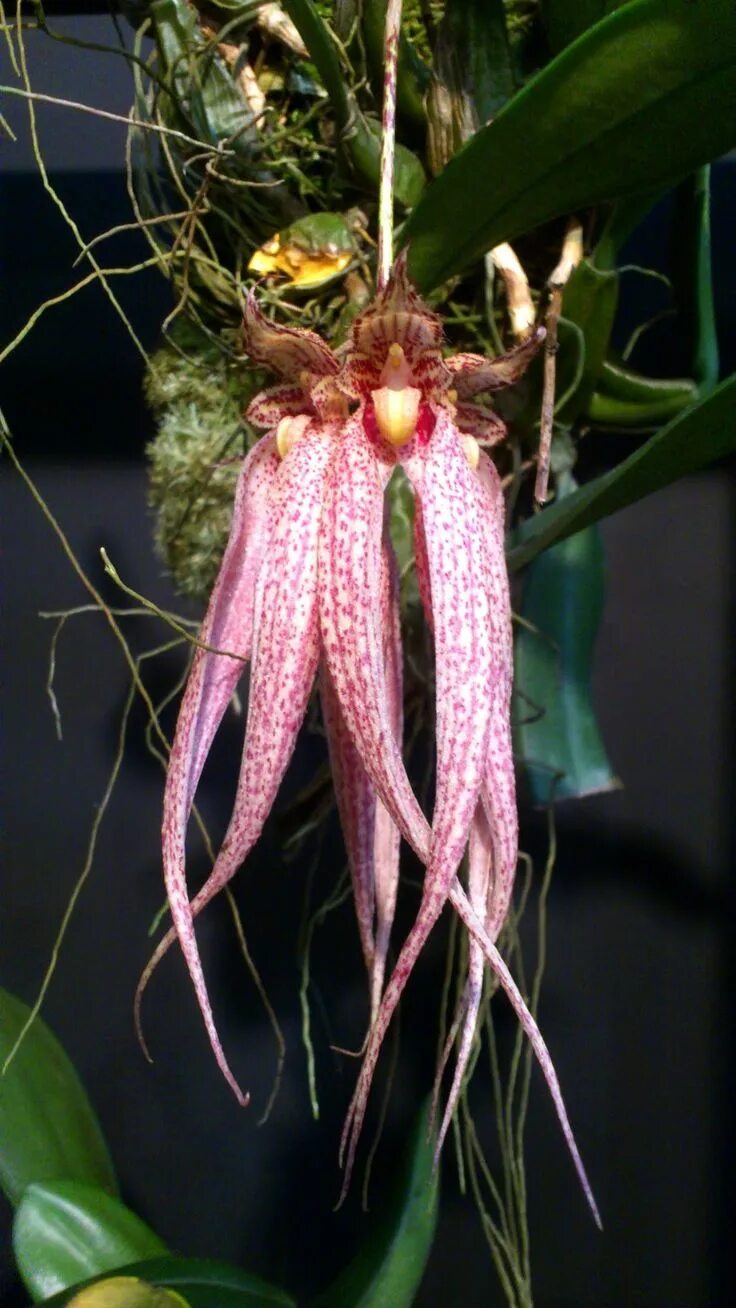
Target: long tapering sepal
x=452, y=513
x=284, y=663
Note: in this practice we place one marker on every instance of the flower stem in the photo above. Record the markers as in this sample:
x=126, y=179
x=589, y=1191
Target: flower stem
x=388, y=137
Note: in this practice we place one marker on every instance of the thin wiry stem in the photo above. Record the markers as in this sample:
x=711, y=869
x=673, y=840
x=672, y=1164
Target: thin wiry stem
x=53, y=193
x=388, y=139
x=41, y=98
x=572, y=253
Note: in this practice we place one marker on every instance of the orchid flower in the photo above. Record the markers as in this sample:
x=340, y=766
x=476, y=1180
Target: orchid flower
x=308, y=590
x=308, y=586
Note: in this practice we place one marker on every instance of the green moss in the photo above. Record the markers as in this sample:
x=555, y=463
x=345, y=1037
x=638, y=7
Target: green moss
x=199, y=395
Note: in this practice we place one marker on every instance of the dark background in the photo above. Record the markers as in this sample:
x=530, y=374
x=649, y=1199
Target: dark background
x=637, y=1002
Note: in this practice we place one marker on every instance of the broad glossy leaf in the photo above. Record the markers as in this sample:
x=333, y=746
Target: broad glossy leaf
x=48, y=1130
x=202, y=1282
x=556, y=731
x=704, y=433
x=636, y=103
x=566, y=20
x=66, y=1231
x=389, y=1266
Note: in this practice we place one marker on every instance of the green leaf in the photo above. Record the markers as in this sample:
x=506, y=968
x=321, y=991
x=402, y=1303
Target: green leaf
x=642, y=99
x=693, y=278
x=699, y=436
x=625, y=384
x=361, y=136
x=48, y=1130
x=388, y=1268
x=631, y=401
x=557, y=734
x=202, y=82
x=607, y=410
x=566, y=20
x=66, y=1231
x=474, y=54
x=589, y=302
x=322, y=49
x=202, y=1282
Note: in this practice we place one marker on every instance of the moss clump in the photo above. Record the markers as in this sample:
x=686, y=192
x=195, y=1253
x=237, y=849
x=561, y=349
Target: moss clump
x=198, y=394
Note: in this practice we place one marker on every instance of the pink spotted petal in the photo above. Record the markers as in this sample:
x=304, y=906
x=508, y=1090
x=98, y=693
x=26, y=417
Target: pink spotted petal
x=372, y=838
x=480, y=863
x=493, y=849
x=270, y=406
x=387, y=834
x=350, y=598
x=288, y=350
x=421, y=564
x=452, y=507
x=499, y=791
x=284, y=664
x=356, y=805
x=475, y=926
x=473, y=373
x=228, y=625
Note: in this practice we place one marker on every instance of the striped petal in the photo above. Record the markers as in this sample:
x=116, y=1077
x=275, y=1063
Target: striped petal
x=473, y=373
x=285, y=657
x=398, y=316
x=268, y=407
x=452, y=508
x=483, y=425
x=288, y=350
